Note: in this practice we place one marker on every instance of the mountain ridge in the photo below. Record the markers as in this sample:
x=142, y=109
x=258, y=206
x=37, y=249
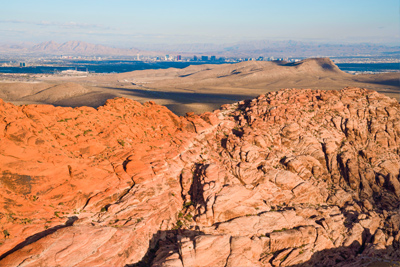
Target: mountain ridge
x=265, y=48
x=79, y=47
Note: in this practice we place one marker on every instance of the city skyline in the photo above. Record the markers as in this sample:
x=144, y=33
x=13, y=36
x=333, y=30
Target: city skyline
x=129, y=23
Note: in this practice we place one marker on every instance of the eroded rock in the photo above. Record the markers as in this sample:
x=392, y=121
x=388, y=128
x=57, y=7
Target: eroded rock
x=292, y=177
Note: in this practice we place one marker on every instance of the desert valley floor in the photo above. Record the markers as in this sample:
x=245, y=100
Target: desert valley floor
x=274, y=177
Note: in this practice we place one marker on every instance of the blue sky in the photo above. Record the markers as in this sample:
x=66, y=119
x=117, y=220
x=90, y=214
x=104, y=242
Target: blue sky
x=126, y=23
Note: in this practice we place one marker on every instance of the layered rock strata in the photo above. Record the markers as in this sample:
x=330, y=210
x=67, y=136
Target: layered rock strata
x=295, y=177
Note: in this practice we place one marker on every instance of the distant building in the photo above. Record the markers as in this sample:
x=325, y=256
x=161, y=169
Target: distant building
x=22, y=64
x=204, y=58
x=178, y=57
x=213, y=58
x=195, y=58
x=138, y=57
x=166, y=57
x=260, y=58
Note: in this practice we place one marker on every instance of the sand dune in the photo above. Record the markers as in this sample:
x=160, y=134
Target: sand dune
x=196, y=88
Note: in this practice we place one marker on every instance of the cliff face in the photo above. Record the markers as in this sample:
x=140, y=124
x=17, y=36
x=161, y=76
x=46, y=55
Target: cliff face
x=292, y=177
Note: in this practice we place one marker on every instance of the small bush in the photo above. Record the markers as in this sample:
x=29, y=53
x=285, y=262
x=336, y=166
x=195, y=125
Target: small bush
x=188, y=204
x=6, y=233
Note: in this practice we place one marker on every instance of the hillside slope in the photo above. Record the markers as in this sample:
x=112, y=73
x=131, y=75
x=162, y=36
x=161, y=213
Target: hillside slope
x=295, y=177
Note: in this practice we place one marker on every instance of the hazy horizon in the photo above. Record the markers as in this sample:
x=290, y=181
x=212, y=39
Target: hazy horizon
x=134, y=23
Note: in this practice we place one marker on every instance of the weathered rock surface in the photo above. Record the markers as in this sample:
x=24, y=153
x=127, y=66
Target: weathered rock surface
x=291, y=178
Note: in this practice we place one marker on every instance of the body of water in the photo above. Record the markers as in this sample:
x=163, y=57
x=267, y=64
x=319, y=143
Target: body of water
x=369, y=67
x=126, y=66
x=100, y=66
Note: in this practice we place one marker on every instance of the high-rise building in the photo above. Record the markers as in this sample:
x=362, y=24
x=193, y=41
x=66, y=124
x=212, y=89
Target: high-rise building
x=212, y=58
x=204, y=58
x=178, y=57
x=194, y=58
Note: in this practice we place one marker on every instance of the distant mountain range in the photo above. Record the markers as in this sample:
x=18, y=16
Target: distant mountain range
x=263, y=48
x=68, y=48
x=268, y=48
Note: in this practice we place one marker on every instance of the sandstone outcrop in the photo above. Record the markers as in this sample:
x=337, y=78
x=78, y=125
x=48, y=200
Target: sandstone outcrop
x=290, y=178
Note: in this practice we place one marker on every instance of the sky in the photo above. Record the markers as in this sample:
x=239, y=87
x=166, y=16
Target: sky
x=124, y=23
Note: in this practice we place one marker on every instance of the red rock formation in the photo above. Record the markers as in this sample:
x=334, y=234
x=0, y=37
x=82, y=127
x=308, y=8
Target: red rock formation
x=292, y=177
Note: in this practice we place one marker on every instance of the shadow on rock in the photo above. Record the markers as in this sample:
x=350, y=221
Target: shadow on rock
x=350, y=256
x=169, y=248
x=164, y=244
x=40, y=235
